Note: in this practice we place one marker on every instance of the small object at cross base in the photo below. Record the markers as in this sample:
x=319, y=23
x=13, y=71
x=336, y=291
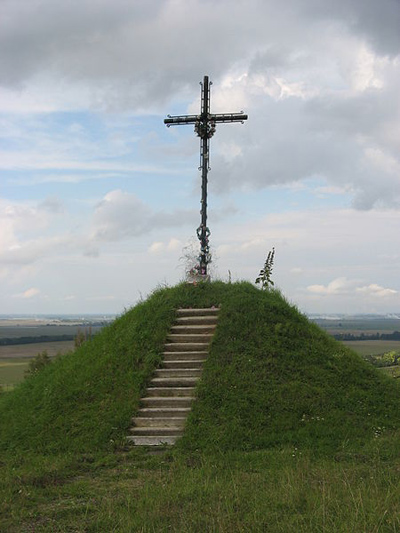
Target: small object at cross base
x=204, y=127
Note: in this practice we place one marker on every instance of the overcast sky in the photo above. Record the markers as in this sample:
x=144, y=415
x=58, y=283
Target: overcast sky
x=98, y=198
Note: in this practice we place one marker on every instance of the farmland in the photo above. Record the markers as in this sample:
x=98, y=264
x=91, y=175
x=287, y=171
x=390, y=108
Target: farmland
x=361, y=328
x=27, y=351
x=22, y=339
x=368, y=325
x=373, y=347
x=14, y=360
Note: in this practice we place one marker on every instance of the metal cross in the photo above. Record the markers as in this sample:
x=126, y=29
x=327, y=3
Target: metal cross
x=204, y=127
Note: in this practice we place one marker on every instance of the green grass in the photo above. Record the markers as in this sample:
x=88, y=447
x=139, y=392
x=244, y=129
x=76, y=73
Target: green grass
x=265, y=490
x=291, y=431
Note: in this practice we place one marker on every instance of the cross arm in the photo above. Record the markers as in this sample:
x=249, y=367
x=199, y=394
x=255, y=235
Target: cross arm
x=184, y=119
x=228, y=117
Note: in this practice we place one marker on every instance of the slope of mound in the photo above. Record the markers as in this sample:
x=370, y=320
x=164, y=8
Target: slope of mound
x=272, y=379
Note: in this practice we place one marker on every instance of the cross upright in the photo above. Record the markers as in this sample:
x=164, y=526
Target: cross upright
x=204, y=127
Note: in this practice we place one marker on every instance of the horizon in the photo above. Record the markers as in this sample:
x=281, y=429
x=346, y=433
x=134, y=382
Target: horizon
x=99, y=199
x=326, y=316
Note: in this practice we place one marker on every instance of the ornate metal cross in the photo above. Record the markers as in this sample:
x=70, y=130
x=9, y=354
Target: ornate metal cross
x=204, y=127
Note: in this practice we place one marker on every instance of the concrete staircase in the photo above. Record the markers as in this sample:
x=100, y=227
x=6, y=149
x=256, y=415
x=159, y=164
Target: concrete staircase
x=168, y=399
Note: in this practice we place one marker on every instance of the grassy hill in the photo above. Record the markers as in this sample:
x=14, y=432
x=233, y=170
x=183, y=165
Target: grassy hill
x=275, y=389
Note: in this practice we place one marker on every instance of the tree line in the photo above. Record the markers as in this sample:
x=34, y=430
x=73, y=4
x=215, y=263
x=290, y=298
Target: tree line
x=7, y=341
x=395, y=336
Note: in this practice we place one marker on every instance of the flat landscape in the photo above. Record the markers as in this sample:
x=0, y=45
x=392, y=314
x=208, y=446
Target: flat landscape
x=22, y=339
x=14, y=358
x=363, y=326
x=367, y=325
x=373, y=347
x=27, y=351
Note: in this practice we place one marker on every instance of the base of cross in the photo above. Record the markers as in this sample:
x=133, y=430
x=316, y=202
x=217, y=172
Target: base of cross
x=193, y=277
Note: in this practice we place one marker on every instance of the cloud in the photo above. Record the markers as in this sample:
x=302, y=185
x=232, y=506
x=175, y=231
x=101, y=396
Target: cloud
x=348, y=137
x=377, y=291
x=342, y=286
x=29, y=293
x=26, y=234
x=174, y=244
x=171, y=246
x=337, y=286
x=122, y=215
x=131, y=54
x=26, y=231
x=330, y=111
x=156, y=247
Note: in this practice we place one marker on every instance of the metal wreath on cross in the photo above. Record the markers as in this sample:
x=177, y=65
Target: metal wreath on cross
x=204, y=127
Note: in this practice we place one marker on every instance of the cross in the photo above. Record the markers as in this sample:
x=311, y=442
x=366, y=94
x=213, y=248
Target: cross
x=204, y=127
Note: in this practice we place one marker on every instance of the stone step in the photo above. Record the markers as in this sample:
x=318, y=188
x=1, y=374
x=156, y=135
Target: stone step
x=178, y=373
x=151, y=440
x=165, y=401
x=173, y=421
x=190, y=338
x=174, y=364
x=210, y=311
x=155, y=431
x=185, y=356
x=163, y=412
x=171, y=391
x=174, y=382
x=196, y=321
x=186, y=346
x=193, y=329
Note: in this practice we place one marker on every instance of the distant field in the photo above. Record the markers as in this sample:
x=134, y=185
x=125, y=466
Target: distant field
x=373, y=347
x=27, y=351
x=357, y=327
x=12, y=332
x=14, y=360
x=12, y=372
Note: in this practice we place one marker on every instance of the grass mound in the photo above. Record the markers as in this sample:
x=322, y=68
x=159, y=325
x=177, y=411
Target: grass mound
x=273, y=379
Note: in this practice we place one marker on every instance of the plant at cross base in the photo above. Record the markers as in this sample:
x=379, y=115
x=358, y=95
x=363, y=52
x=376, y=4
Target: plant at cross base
x=191, y=261
x=264, y=277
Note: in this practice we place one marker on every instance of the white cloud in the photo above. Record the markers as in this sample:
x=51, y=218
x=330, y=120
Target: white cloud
x=377, y=291
x=156, y=247
x=122, y=215
x=343, y=286
x=171, y=246
x=337, y=286
x=29, y=293
x=314, y=111
x=174, y=244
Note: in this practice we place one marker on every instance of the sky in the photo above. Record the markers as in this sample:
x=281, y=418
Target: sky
x=99, y=201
